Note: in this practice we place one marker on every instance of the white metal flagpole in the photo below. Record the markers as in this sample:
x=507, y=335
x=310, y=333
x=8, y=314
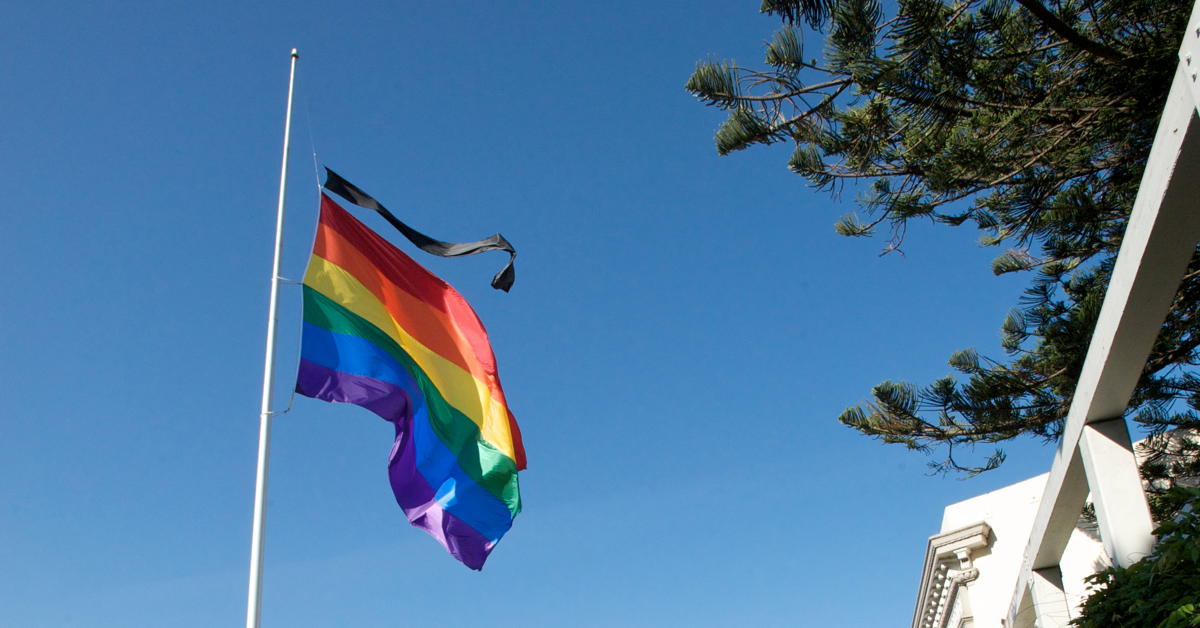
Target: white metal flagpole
x=254, y=599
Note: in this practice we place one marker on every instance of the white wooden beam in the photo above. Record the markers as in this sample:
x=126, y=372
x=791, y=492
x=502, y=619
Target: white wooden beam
x=1068, y=484
x=1117, y=494
x=1049, y=599
x=1024, y=616
x=1159, y=240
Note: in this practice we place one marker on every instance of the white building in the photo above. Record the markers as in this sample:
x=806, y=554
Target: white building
x=973, y=563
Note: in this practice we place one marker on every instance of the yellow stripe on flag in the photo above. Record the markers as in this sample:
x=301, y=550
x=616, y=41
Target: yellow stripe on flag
x=459, y=387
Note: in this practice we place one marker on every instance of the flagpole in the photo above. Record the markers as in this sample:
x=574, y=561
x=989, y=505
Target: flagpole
x=254, y=597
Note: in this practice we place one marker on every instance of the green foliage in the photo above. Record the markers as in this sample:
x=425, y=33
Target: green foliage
x=740, y=129
x=1031, y=122
x=1159, y=591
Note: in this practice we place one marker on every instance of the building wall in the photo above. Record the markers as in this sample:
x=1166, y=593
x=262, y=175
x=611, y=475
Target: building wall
x=1009, y=513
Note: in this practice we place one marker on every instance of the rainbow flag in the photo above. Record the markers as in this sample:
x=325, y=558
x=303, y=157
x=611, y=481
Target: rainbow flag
x=383, y=333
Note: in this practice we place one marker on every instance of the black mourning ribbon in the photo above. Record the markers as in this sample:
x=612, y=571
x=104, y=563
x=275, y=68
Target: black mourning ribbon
x=495, y=242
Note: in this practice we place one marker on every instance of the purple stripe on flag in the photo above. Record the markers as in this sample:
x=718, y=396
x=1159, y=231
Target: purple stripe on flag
x=411, y=489
x=389, y=401
x=417, y=498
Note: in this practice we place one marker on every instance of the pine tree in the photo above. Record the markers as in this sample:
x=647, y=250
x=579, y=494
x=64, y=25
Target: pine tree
x=1033, y=123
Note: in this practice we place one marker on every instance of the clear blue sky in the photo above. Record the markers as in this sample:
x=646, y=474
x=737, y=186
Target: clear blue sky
x=683, y=332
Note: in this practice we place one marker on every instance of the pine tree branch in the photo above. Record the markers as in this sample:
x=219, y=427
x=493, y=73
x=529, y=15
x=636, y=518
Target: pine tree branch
x=1042, y=153
x=786, y=95
x=1178, y=353
x=1066, y=32
x=1021, y=54
x=824, y=101
x=947, y=435
x=993, y=461
x=1035, y=108
x=1191, y=275
x=841, y=172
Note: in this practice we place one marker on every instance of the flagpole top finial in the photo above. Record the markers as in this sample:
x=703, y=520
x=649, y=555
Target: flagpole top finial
x=295, y=53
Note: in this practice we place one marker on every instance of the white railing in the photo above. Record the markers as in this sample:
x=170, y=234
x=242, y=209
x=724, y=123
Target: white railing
x=1095, y=455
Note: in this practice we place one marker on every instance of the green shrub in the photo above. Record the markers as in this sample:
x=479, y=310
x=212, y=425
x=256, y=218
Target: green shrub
x=1160, y=591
